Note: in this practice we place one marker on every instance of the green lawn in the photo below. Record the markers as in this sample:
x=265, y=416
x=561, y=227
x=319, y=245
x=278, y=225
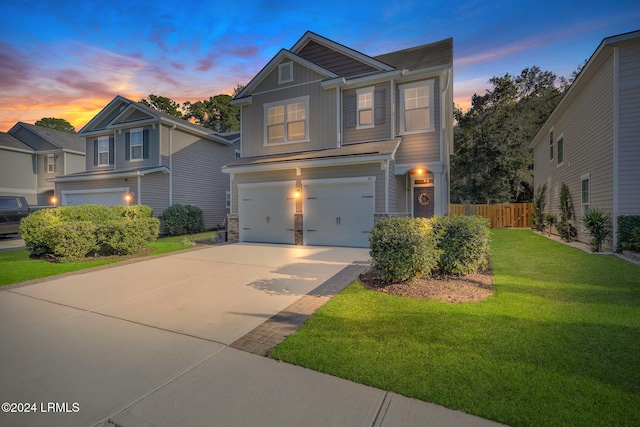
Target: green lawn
x=16, y=266
x=558, y=344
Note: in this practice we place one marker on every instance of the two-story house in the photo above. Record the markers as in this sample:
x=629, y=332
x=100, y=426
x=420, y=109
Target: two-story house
x=31, y=154
x=138, y=155
x=591, y=141
x=333, y=139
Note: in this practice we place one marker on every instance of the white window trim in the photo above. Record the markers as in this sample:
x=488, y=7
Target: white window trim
x=237, y=154
x=430, y=85
x=101, y=139
x=552, y=146
x=557, y=144
x=281, y=67
x=583, y=177
x=285, y=102
x=131, y=132
x=359, y=92
x=51, y=166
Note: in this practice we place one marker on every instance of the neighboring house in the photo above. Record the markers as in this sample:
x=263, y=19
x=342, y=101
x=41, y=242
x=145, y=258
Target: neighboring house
x=591, y=141
x=333, y=139
x=31, y=154
x=138, y=155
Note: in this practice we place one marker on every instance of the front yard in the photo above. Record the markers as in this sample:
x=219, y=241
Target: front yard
x=17, y=266
x=557, y=344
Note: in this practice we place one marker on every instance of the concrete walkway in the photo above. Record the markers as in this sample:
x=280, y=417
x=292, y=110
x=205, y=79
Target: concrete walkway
x=176, y=341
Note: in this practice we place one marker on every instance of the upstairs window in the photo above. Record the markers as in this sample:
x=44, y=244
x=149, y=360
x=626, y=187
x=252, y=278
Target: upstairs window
x=51, y=163
x=551, y=145
x=365, y=107
x=137, y=144
x=416, y=101
x=560, y=150
x=287, y=121
x=285, y=72
x=585, y=181
x=104, y=151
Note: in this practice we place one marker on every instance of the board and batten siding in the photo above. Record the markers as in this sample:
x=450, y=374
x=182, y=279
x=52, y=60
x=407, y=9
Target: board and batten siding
x=629, y=130
x=18, y=175
x=197, y=177
x=420, y=147
x=586, y=127
x=322, y=116
x=378, y=132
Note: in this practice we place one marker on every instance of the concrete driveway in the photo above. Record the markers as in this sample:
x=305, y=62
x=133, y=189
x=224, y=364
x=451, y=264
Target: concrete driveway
x=11, y=242
x=147, y=344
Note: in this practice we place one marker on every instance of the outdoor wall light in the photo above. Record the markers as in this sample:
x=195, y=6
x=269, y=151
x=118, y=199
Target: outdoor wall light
x=128, y=198
x=297, y=193
x=420, y=171
x=53, y=200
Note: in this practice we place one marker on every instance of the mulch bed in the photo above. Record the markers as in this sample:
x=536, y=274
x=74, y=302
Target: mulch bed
x=453, y=289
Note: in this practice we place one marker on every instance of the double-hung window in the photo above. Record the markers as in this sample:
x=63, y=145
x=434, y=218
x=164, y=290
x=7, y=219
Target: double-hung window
x=287, y=121
x=585, y=195
x=365, y=107
x=560, y=150
x=51, y=163
x=416, y=101
x=103, y=150
x=136, y=144
x=551, y=145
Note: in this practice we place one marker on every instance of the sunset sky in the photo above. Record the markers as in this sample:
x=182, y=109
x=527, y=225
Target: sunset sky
x=69, y=59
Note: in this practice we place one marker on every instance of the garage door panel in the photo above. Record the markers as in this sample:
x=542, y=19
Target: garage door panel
x=115, y=198
x=266, y=214
x=338, y=214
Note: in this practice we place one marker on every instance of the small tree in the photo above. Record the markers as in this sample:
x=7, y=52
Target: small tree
x=549, y=221
x=539, y=203
x=596, y=222
x=566, y=230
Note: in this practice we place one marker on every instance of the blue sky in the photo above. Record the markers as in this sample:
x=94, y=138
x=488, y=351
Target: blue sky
x=69, y=59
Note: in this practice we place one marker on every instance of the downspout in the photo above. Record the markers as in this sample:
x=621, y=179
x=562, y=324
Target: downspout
x=386, y=187
x=171, y=164
x=139, y=197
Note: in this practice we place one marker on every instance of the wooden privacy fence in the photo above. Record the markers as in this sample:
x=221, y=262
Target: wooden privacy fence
x=517, y=215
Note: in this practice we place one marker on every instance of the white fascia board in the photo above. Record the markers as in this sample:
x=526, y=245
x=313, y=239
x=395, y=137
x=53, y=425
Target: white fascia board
x=317, y=163
x=18, y=150
x=112, y=175
x=238, y=102
x=359, y=81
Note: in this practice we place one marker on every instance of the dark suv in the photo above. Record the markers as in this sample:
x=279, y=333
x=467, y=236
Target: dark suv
x=12, y=210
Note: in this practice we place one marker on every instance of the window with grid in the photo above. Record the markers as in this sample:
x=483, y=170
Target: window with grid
x=417, y=112
x=287, y=121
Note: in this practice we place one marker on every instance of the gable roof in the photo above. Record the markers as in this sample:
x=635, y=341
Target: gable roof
x=44, y=138
x=592, y=65
x=11, y=143
x=420, y=57
x=123, y=112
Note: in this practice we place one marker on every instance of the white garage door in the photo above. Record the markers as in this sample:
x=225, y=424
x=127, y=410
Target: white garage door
x=109, y=197
x=338, y=212
x=266, y=212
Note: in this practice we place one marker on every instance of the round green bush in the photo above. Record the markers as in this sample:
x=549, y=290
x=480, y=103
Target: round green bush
x=183, y=219
x=463, y=242
x=403, y=249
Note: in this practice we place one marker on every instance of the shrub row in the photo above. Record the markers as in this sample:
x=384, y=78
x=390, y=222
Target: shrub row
x=407, y=248
x=629, y=233
x=71, y=232
x=183, y=219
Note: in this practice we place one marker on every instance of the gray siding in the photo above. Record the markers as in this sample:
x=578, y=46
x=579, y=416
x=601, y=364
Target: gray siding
x=422, y=147
x=629, y=130
x=33, y=140
x=90, y=153
x=587, y=129
x=154, y=192
x=120, y=149
x=74, y=163
x=378, y=132
x=397, y=192
x=197, y=177
x=301, y=75
x=18, y=175
x=43, y=185
x=322, y=120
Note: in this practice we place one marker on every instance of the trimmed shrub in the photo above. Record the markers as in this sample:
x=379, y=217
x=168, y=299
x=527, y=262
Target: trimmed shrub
x=403, y=249
x=183, y=219
x=463, y=242
x=629, y=233
x=70, y=232
x=70, y=241
x=126, y=236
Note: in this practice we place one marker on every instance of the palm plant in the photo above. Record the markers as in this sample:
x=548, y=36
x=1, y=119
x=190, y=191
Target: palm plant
x=596, y=221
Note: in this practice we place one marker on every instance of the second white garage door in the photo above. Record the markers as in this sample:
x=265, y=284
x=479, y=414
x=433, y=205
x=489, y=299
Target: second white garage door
x=338, y=212
x=266, y=212
x=108, y=197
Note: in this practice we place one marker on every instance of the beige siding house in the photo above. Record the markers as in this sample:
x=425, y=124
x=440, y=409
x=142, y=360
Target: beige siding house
x=30, y=155
x=591, y=141
x=139, y=155
x=333, y=139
